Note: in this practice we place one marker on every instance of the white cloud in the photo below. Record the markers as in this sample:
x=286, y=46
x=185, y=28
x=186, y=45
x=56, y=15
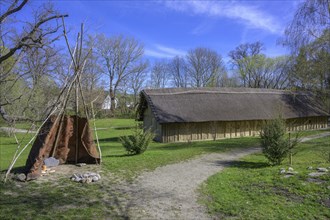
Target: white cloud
x=203, y=28
x=251, y=16
x=276, y=51
x=156, y=54
x=161, y=51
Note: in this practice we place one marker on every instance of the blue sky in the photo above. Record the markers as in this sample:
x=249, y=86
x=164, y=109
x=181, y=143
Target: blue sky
x=169, y=28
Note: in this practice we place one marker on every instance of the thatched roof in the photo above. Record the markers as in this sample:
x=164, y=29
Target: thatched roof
x=226, y=104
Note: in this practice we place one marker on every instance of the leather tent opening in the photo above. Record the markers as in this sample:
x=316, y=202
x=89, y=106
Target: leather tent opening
x=75, y=144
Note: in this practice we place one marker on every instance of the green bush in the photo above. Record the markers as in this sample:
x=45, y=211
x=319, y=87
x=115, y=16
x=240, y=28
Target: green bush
x=275, y=146
x=138, y=142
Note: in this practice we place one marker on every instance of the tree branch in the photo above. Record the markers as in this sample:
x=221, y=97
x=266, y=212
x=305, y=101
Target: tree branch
x=23, y=41
x=13, y=10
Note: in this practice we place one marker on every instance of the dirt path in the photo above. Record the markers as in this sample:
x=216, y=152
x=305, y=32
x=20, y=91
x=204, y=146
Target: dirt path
x=308, y=138
x=169, y=192
x=16, y=130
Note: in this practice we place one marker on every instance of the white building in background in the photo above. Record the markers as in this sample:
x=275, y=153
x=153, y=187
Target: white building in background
x=106, y=105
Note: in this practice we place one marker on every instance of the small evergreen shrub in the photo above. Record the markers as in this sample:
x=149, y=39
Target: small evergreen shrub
x=275, y=146
x=138, y=142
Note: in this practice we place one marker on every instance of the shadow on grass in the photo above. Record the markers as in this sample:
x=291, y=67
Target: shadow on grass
x=113, y=139
x=124, y=128
x=21, y=169
x=15, y=170
x=212, y=146
x=120, y=155
x=243, y=164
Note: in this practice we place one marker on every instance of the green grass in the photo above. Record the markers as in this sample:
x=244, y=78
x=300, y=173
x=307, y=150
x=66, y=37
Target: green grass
x=117, y=161
x=250, y=189
x=8, y=147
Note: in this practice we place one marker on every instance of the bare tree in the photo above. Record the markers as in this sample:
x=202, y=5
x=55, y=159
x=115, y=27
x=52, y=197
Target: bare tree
x=159, y=74
x=120, y=57
x=204, y=67
x=310, y=23
x=137, y=80
x=278, y=73
x=33, y=34
x=242, y=57
x=177, y=68
x=18, y=39
x=92, y=76
x=38, y=64
x=256, y=70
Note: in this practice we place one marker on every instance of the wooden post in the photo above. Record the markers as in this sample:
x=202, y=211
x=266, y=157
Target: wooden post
x=290, y=156
x=95, y=130
x=76, y=119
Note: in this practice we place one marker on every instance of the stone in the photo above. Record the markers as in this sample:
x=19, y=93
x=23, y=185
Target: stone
x=290, y=169
x=309, y=168
x=95, y=179
x=21, y=177
x=81, y=164
x=315, y=180
x=322, y=169
x=316, y=174
x=89, y=179
x=51, y=162
x=288, y=176
x=92, y=174
x=282, y=171
x=291, y=173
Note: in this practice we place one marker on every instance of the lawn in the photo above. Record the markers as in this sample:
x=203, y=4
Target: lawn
x=250, y=189
x=115, y=158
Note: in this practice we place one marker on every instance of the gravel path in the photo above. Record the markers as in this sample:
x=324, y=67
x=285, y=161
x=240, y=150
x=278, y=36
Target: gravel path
x=169, y=192
x=325, y=134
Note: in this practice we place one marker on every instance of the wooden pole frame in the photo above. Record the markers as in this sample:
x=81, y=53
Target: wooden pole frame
x=78, y=62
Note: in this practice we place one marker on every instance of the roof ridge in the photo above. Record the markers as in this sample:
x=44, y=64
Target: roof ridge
x=218, y=92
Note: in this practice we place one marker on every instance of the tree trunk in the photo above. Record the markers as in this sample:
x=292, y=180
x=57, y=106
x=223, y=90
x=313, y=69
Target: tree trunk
x=113, y=101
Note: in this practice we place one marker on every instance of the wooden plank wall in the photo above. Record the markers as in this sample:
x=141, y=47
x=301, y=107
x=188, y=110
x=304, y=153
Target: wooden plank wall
x=182, y=132
x=311, y=123
x=149, y=122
